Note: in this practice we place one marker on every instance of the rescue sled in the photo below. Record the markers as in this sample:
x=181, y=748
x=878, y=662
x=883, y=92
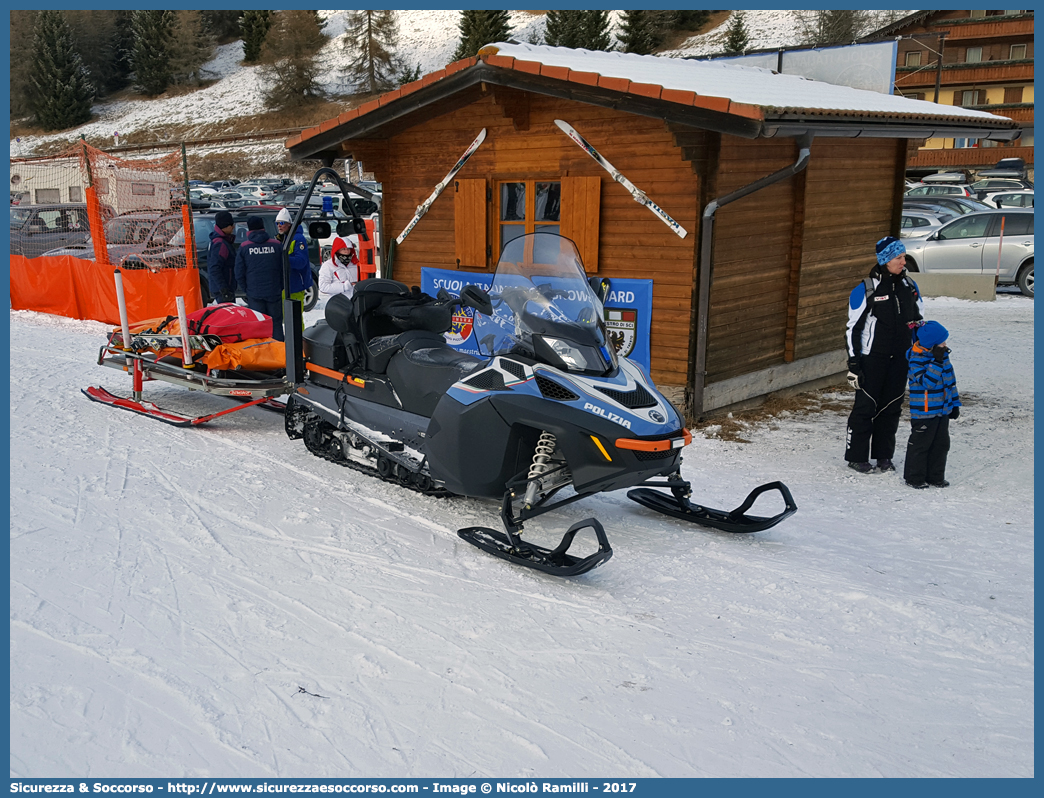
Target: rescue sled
x=211, y=355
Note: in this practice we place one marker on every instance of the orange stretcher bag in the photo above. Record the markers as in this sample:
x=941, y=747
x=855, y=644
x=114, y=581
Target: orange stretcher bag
x=260, y=354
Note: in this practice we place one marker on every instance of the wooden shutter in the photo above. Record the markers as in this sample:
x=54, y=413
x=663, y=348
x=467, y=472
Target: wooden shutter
x=958, y=96
x=470, y=225
x=1013, y=94
x=581, y=204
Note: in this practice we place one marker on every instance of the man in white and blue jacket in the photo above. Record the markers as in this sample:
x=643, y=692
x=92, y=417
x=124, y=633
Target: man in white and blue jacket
x=882, y=311
x=933, y=402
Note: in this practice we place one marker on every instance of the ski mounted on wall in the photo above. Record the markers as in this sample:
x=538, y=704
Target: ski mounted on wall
x=424, y=206
x=639, y=196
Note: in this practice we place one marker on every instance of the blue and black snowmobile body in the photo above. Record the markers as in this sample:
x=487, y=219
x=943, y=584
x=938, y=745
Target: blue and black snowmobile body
x=545, y=406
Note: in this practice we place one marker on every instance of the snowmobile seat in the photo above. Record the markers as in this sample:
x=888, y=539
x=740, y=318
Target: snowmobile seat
x=424, y=370
x=379, y=350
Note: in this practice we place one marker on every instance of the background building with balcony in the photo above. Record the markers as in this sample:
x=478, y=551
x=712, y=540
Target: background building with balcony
x=973, y=59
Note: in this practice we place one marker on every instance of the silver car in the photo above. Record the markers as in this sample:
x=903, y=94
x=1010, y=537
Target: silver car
x=972, y=244
x=918, y=223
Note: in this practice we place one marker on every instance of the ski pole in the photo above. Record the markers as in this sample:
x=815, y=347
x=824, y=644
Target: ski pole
x=186, y=350
x=122, y=303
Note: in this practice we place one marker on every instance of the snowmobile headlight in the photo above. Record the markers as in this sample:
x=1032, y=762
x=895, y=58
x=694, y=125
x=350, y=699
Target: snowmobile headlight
x=571, y=356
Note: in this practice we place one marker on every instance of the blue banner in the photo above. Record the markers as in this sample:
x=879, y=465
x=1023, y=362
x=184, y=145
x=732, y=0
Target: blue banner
x=628, y=312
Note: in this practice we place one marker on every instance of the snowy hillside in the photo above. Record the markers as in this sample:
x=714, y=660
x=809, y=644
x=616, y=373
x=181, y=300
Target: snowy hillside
x=217, y=602
x=427, y=38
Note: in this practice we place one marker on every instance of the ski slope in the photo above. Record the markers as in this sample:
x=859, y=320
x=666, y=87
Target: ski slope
x=218, y=602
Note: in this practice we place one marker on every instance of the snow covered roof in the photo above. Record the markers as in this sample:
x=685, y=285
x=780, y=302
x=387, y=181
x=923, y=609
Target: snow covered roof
x=761, y=101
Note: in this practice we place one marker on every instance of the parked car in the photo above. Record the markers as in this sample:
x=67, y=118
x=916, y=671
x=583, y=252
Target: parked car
x=38, y=229
x=256, y=191
x=1010, y=199
x=203, y=225
x=223, y=185
x=971, y=244
x=941, y=190
x=129, y=234
x=993, y=184
x=956, y=205
x=917, y=223
x=1006, y=167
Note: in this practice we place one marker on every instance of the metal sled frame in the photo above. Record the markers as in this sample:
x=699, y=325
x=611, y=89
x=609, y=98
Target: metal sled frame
x=255, y=389
x=677, y=504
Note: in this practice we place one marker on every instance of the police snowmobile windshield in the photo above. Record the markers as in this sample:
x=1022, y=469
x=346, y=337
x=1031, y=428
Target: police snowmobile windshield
x=544, y=308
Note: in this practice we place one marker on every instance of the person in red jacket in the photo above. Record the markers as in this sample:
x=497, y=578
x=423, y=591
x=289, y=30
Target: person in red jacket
x=340, y=273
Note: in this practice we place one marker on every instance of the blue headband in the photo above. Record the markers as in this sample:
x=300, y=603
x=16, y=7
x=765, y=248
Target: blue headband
x=893, y=250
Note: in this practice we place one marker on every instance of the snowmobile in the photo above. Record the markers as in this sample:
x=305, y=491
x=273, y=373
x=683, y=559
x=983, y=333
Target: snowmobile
x=545, y=405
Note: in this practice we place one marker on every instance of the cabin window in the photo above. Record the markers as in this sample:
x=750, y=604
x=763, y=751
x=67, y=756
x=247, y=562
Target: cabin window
x=45, y=196
x=977, y=14
x=75, y=195
x=973, y=55
x=101, y=185
x=569, y=207
x=527, y=206
x=143, y=189
x=1018, y=52
x=913, y=58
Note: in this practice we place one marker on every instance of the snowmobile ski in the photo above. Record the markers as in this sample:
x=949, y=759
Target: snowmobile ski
x=639, y=196
x=737, y=520
x=426, y=205
x=96, y=394
x=552, y=561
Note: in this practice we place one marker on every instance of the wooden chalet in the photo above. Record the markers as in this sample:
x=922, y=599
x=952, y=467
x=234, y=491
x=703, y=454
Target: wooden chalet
x=783, y=184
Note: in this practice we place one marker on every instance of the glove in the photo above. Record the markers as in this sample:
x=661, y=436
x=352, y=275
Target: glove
x=855, y=373
x=955, y=413
x=939, y=352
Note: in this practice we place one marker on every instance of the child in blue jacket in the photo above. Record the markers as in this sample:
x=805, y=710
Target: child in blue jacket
x=933, y=402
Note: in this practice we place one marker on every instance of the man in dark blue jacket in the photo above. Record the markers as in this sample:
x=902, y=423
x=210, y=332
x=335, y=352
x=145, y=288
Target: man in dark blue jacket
x=259, y=271
x=221, y=259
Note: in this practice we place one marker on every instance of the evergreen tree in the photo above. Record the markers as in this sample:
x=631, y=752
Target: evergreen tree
x=190, y=49
x=588, y=30
x=819, y=28
x=689, y=20
x=291, y=57
x=94, y=38
x=737, y=38
x=122, y=49
x=407, y=73
x=641, y=32
x=23, y=26
x=223, y=26
x=370, y=39
x=153, y=33
x=255, y=29
x=479, y=28
x=61, y=91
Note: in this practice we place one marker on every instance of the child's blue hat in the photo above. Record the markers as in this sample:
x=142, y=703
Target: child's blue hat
x=931, y=333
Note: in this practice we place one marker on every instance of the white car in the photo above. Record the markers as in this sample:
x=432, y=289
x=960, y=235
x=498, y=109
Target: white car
x=972, y=244
x=917, y=223
x=941, y=190
x=1011, y=198
x=256, y=191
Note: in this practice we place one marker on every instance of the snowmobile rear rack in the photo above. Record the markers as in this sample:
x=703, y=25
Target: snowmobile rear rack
x=736, y=520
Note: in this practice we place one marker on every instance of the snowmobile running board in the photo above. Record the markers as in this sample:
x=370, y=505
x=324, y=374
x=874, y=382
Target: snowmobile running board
x=552, y=561
x=735, y=521
x=96, y=394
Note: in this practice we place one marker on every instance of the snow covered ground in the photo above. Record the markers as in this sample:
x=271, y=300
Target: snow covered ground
x=219, y=602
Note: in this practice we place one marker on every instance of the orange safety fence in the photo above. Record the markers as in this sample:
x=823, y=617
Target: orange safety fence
x=82, y=289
